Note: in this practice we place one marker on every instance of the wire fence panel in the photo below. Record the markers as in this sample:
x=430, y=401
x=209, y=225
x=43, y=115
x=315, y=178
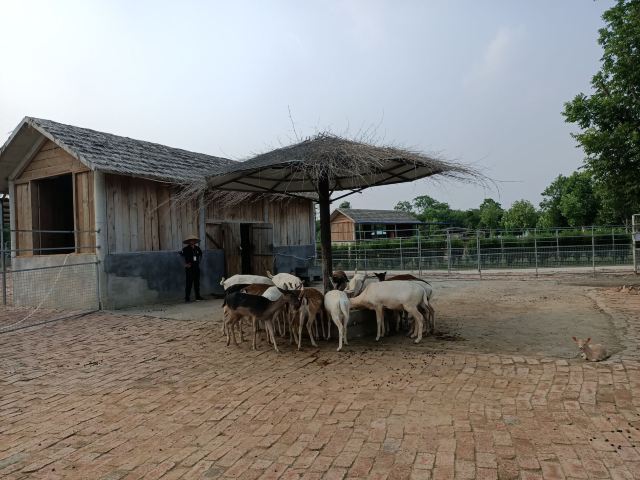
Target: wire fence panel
x=47, y=277
x=460, y=250
x=69, y=287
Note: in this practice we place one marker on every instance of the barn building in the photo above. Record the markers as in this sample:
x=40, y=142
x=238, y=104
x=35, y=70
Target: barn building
x=78, y=196
x=351, y=224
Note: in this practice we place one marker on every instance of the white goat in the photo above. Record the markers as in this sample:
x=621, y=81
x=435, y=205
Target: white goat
x=394, y=296
x=285, y=281
x=244, y=280
x=430, y=314
x=358, y=283
x=337, y=305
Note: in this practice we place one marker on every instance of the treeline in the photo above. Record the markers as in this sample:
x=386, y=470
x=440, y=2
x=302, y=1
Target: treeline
x=573, y=201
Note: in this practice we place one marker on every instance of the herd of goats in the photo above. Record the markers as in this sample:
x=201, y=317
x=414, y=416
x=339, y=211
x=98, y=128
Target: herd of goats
x=281, y=302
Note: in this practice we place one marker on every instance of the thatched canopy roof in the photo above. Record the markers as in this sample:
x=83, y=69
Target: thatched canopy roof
x=348, y=164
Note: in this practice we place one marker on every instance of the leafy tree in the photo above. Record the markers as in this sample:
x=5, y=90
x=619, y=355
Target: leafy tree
x=429, y=209
x=569, y=201
x=609, y=118
x=404, y=206
x=490, y=214
x=345, y=205
x=551, y=215
x=578, y=203
x=522, y=214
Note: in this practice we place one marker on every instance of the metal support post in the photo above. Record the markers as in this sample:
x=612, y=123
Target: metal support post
x=478, y=253
x=593, y=251
x=419, y=254
x=401, y=257
x=535, y=248
x=449, y=252
x=4, y=260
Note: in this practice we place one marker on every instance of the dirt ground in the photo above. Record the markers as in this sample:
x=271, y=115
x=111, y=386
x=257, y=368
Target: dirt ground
x=511, y=316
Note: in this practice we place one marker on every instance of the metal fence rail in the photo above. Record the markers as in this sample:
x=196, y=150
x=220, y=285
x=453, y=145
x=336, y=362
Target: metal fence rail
x=464, y=250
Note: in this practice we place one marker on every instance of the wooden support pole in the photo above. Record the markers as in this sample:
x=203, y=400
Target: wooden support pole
x=324, y=203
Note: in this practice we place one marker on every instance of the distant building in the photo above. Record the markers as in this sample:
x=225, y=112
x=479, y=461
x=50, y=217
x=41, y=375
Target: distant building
x=350, y=224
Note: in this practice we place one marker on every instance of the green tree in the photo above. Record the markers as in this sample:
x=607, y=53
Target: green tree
x=490, y=214
x=429, y=209
x=404, y=206
x=345, y=205
x=569, y=201
x=609, y=119
x=522, y=214
x=578, y=203
x=550, y=213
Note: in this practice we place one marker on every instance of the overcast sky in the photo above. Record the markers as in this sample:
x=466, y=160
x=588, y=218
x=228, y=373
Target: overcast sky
x=479, y=82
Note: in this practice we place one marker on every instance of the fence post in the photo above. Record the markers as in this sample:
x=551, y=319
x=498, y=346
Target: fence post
x=557, y=248
x=593, y=250
x=448, y=252
x=401, y=256
x=613, y=246
x=535, y=248
x=365, y=257
x=478, y=253
x=419, y=254
x=98, y=286
x=4, y=260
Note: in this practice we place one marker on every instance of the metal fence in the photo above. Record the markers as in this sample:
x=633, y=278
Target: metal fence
x=48, y=281
x=458, y=250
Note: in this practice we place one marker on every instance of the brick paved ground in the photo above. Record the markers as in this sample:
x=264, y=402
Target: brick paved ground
x=112, y=397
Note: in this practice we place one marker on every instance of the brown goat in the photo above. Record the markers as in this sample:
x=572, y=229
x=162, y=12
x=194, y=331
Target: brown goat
x=405, y=276
x=255, y=289
x=339, y=279
x=312, y=304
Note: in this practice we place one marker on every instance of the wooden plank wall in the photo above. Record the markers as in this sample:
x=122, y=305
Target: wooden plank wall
x=50, y=161
x=291, y=219
x=85, y=219
x=342, y=229
x=144, y=216
x=24, y=219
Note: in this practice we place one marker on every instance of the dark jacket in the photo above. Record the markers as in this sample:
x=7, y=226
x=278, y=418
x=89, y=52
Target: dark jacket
x=191, y=254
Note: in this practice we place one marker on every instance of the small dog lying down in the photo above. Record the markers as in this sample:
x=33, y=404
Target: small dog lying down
x=590, y=351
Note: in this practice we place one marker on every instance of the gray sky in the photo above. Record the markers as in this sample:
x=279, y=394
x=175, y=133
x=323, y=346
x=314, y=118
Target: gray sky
x=480, y=82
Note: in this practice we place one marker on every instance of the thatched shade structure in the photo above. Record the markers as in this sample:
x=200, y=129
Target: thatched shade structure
x=326, y=164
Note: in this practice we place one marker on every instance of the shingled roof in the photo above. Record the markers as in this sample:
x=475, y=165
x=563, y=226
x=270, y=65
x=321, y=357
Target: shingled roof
x=111, y=153
x=377, y=216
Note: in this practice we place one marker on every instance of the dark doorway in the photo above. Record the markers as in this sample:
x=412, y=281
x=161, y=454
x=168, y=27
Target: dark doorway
x=245, y=247
x=53, y=223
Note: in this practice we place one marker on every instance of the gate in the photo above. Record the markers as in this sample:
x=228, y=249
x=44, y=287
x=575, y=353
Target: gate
x=48, y=281
x=248, y=246
x=261, y=248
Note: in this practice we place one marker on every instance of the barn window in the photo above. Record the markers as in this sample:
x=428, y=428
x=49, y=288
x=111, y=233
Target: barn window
x=52, y=205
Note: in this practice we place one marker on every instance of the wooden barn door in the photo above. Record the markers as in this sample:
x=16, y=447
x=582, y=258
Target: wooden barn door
x=261, y=248
x=226, y=236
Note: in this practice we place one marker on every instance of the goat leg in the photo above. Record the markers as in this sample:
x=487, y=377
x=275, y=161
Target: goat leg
x=415, y=313
x=379, y=322
x=255, y=332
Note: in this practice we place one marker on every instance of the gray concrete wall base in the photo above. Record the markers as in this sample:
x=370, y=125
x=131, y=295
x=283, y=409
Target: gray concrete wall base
x=154, y=277
x=289, y=257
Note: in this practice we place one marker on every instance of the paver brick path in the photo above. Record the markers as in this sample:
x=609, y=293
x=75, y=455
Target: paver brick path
x=109, y=396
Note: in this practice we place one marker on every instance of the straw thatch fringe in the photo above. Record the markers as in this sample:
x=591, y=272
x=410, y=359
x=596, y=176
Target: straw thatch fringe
x=336, y=157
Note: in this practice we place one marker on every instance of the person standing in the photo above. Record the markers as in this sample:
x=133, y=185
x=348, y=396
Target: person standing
x=192, y=256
